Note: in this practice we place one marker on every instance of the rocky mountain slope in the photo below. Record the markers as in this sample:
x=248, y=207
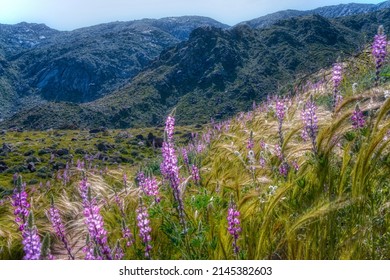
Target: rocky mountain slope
x=216, y=73
x=43, y=64
x=334, y=11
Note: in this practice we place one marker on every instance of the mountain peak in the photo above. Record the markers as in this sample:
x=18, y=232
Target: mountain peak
x=333, y=11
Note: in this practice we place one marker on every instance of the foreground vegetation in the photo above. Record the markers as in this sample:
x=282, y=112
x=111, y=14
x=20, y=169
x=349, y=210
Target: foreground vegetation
x=303, y=176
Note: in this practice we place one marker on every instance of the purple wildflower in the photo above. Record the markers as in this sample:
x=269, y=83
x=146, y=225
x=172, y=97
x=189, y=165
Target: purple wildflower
x=143, y=224
x=84, y=186
x=20, y=203
x=59, y=228
x=140, y=178
x=91, y=251
x=80, y=164
x=280, y=111
x=250, y=144
x=200, y=147
x=169, y=128
x=278, y=152
x=336, y=77
x=170, y=170
x=310, y=123
x=379, y=51
x=31, y=240
x=184, y=154
x=262, y=161
x=150, y=187
x=234, y=225
x=95, y=224
x=119, y=203
x=127, y=235
x=283, y=169
x=195, y=174
x=65, y=176
x=118, y=252
x=357, y=118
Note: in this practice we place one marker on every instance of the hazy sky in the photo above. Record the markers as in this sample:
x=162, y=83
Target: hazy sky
x=71, y=14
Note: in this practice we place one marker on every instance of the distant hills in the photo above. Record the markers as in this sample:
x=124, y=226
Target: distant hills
x=126, y=74
x=334, y=11
x=84, y=64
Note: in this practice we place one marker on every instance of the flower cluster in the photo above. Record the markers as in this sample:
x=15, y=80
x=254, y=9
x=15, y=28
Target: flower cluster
x=184, y=154
x=262, y=161
x=250, y=144
x=357, y=118
x=59, y=228
x=280, y=113
x=95, y=225
x=379, y=50
x=336, y=75
x=149, y=185
x=283, y=169
x=310, y=123
x=170, y=169
x=31, y=240
x=169, y=128
x=336, y=78
x=143, y=224
x=140, y=178
x=20, y=203
x=278, y=152
x=84, y=189
x=234, y=228
x=195, y=174
x=80, y=165
x=127, y=235
x=118, y=252
x=280, y=110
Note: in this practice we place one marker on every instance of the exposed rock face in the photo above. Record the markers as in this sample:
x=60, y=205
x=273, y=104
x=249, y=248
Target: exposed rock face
x=39, y=64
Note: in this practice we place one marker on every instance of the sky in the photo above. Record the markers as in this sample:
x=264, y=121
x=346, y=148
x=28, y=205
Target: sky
x=72, y=14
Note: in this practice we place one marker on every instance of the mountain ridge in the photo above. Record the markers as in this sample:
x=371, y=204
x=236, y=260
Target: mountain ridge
x=161, y=71
x=215, y=74
x=84, y=64
x=333, y=11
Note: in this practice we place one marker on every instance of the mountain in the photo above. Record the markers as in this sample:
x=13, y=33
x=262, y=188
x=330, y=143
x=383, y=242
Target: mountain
x=334, y=11
x=215, y=74
x=40, y=64
x=17, y=38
